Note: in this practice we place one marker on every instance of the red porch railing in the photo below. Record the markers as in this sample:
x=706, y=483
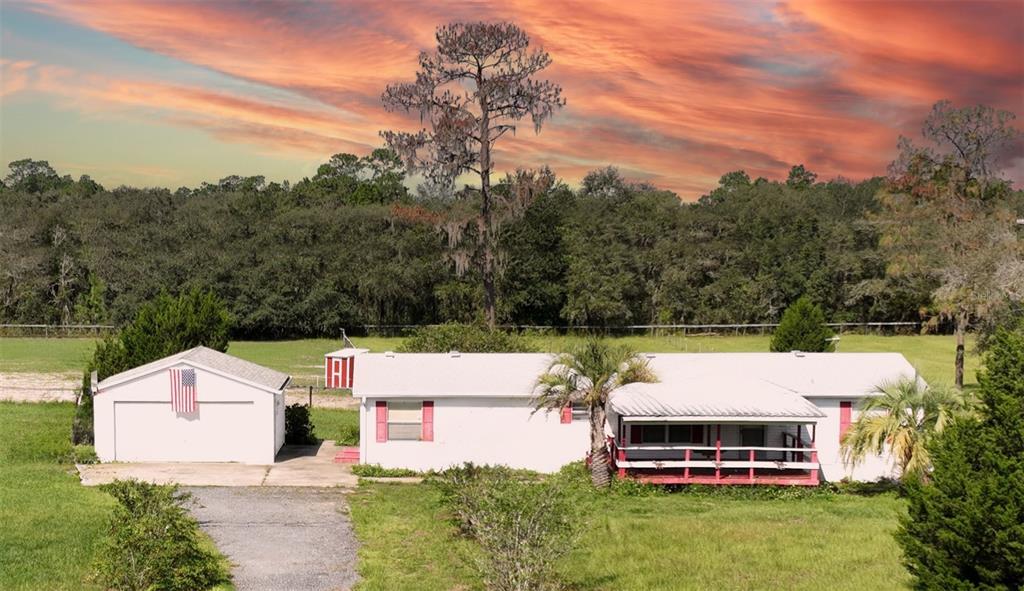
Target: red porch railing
x=694, y=464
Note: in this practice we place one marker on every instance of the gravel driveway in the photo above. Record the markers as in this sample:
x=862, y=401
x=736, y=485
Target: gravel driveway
x=281, y=538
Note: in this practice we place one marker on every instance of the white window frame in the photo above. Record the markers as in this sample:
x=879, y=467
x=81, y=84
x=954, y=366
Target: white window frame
x=413, y=406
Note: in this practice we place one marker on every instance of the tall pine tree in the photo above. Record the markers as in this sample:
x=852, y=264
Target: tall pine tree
x=966, y=529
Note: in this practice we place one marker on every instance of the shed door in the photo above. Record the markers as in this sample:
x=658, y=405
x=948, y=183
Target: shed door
x=219, y=432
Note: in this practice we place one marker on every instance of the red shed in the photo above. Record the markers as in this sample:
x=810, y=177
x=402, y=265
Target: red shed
x=340, y=367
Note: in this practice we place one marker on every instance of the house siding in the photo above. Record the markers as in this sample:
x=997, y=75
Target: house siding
x=503, y=431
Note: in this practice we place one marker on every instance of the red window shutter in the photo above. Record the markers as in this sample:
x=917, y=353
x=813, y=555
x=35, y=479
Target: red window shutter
x=382, y=421
x=845, y=417
x=696, y=433
x=634, y=434
x=567, y=414
x=428, y=420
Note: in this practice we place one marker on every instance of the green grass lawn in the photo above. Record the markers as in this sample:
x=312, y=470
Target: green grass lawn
x=50, y=525
x=336, y=424
x=667, y=542
x=303, y=359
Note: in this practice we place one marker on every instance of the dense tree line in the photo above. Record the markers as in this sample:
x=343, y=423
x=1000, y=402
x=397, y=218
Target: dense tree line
x=353, y=246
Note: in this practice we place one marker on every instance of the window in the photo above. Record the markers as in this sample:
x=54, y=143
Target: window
x=405, y=420
x=672, y=434
x=652, y=433
x=752, y=436
x=680, y=434
x=580, y=412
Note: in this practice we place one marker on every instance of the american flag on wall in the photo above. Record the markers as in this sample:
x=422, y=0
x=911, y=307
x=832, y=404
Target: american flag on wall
x=183, y=390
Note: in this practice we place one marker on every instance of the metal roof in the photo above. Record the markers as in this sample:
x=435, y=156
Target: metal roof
x=207, y=358
x=691, y=384
x=440, y=375
x=727, y=395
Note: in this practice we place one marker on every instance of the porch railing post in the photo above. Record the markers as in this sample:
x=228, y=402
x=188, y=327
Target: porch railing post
x=718, y=452
x=751, y=473
x=814, y=453
x=686, y=468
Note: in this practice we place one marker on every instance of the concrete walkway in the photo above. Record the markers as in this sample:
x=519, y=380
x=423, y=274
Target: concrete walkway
x=311, y=466
x=280, y=538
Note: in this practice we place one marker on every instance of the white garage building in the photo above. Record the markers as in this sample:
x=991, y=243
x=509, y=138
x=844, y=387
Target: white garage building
x=199, y=405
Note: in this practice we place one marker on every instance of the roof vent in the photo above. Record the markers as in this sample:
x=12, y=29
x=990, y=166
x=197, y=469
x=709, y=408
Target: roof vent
x=389, y=353
x=455, y=353
x=797, y=353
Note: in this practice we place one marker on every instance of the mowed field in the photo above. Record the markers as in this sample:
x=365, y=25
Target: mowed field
x=675, y=542
x=932, y=355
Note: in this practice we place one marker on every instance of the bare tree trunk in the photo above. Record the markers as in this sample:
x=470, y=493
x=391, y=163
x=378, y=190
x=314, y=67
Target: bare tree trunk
x=490, y=297
x=961, y=328
x=600, y=464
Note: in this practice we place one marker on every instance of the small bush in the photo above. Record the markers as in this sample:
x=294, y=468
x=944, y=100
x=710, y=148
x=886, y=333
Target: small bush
x=347, y=435
x=802, y=328
x=465, y=338
x=81, y=426
x=152, y=543
x=378, y=471
x=523, y=524
x=83, y=454
x=298, y=426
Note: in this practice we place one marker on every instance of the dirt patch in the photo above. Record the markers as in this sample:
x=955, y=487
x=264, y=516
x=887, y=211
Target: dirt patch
x=39, y=387
x=301, y=396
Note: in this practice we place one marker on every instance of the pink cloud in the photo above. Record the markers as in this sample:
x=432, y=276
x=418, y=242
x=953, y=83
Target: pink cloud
x=677, y=92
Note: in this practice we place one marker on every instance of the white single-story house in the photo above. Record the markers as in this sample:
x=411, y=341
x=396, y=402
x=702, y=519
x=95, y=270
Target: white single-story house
x=199, y=405
x=713, y=418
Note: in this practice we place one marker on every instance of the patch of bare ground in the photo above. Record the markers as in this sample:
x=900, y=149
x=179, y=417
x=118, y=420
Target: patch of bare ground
x=39, y=387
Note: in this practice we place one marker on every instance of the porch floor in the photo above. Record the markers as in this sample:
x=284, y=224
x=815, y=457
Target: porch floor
x=775, y=477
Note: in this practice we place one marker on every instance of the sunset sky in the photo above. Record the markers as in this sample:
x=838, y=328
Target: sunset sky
x=175, y=93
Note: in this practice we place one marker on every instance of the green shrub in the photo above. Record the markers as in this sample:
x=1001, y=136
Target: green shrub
x=465, y=338
x=152, y=543
x=378, y=471
x=83, y=454
x=298, y=427
x=802, y=328
x=81, y=424
x=965, y=528
x=523, y=524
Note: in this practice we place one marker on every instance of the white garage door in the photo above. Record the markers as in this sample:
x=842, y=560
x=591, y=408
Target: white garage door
x=219, y=432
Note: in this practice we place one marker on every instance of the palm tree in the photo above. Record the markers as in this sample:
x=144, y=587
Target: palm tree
x=587, y=375
x=904, y=416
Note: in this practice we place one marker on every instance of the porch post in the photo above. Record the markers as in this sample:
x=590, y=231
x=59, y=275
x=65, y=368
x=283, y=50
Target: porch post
x=686, y=468
x=718, y=452
x=751, y=473
x=800, y=441
x=814, y=454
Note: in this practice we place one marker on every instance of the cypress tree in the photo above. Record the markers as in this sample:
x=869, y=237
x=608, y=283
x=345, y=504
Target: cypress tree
x=802, y=328
x=965, y=530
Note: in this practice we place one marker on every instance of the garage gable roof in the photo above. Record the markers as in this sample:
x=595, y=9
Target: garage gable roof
x=211, y=360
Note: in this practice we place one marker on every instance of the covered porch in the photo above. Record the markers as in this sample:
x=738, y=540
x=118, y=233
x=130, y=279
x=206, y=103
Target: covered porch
x=697, y=452
x=714, y=429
